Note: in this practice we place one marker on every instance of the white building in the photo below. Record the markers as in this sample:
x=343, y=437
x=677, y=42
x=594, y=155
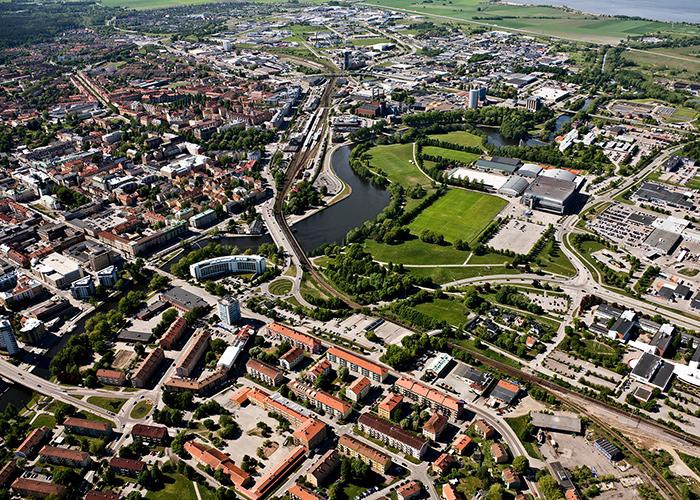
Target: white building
x=229, y=310
x=228, y=264
x=58, y=270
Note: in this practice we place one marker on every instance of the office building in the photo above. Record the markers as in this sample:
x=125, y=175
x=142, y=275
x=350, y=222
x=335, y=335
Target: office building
x=228, y=264
x=229, y=310
x=473, y=98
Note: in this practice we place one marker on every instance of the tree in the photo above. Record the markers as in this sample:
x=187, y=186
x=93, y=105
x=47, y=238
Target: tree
x=549, y=488
x=521, y=464
x=495, y=492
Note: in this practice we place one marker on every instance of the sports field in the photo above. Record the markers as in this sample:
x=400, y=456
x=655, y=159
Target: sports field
x=451, y=154
x=394, y=161
x=460, y=137
x=459, y=215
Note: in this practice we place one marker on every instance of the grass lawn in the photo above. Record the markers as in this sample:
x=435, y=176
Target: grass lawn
x=554, y=261
x=491, y=259
x=690, y=272
x=176, y=486
x=415, y=252
x=109, y=404
x=310, y=289
x=44, y=420
x=460, y=137
x=353, y=490
x=449, y=310
x=364, y=42
x=657, y=60
x=394, y=161
x=519, y=426
x=141, y=409
x=459, y=214
x=442, y=275
x=451, y=154
x=280, y=287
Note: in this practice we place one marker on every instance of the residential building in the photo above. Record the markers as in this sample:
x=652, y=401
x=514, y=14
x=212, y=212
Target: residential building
x=186, y=364
x=218, y=460
x=34, y=488
x=8, y=341
x=409, y=491
x=358, y=389
x=352, y=447
x=172, y=335
x=87, y=427
x=150, y=434
x=388, y=408
x=82, y=288
x=264, y=372
x=127, y=466
x=111, y=377
x=31, y=443
x=320, y=399
x=449, y=492
x=101, y=495
x=511, y=479
x=499, y=453
x=461, y=444
x=292, y=358
x=8, y=472
x=147, y=367
x=357, y=364
x=64, y=456
x=323, y=467
x=485, y=430
x=298, y=492
x=278, y=472
x=442, y=464
x=294, y=337
x=320, y=368
x=392, y=435
x=425, y=395
x=435, y=426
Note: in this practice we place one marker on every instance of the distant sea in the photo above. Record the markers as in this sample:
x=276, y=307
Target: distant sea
x=669, y=10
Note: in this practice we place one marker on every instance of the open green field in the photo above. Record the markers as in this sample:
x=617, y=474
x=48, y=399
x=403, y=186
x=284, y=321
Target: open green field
x=442, y=275
x=416, y=252
x=394, y=161
x=459, y=215
x=554, y=261
x=460, y=137
x=109, y=404
x=451, y=311
x=365, y=42
x=176, y=486
x=451, y=154
x=537, y=19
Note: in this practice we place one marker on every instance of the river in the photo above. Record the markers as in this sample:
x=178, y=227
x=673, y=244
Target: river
x=671, y=11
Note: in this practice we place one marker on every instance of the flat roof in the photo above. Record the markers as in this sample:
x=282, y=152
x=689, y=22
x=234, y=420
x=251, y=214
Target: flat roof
x=558, y=422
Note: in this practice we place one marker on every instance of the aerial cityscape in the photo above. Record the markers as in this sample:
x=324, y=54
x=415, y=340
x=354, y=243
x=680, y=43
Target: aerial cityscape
x=332, y=249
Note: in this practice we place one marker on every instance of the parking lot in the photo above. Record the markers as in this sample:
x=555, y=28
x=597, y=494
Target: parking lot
x=518, y=236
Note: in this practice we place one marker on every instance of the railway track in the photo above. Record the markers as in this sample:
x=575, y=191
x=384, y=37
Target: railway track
x=557, y=390
x=297, y=163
